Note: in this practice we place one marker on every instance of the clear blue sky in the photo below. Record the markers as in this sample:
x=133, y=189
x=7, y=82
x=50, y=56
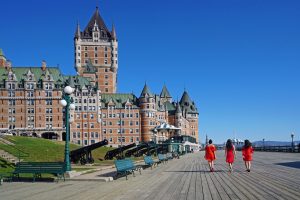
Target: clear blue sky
x=238, y=59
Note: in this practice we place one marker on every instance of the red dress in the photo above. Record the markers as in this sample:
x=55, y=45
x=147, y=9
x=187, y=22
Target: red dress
x=210, y=152
x=230, y=155
x=247, y=153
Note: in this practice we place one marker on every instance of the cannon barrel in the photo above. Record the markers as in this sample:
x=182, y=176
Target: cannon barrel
x=84, y=154
x=130, y=152
x=117, y=152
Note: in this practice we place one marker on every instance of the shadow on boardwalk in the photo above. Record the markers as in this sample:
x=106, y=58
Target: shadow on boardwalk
x=290, y=164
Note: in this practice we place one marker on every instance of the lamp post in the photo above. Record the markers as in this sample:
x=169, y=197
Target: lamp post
x=67, y=102
x=292, y=136
x=264, y=144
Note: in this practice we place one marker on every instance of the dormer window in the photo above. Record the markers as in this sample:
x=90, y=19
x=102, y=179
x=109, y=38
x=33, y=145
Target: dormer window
x=29, y=86
x=30, y=77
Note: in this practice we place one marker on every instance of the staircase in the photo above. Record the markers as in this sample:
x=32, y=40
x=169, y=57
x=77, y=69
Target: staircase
x=9, y=157
x=5, y=141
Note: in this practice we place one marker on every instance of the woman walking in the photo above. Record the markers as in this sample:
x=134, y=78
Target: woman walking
x=230, y=153
x=210, y=155
x=247, y=152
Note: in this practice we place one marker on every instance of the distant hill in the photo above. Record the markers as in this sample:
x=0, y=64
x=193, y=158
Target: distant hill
x=274, y=143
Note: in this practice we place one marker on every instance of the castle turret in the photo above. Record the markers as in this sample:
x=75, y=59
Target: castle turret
x=148, y=113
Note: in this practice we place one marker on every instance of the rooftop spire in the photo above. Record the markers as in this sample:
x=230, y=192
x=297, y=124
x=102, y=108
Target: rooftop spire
x=96, y=18
x=77, y=32
x=113, y=32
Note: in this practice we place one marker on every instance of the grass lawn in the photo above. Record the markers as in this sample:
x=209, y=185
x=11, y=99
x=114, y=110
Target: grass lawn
x=43, y=150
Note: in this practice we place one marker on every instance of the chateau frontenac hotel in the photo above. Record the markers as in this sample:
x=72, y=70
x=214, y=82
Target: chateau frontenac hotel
x=29, y=100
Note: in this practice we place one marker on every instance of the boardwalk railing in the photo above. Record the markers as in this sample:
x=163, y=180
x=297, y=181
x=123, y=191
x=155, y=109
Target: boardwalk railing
x=294, y=149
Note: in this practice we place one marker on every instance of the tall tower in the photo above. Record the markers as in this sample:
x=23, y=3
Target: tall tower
x=148, y=113
x=96, y=53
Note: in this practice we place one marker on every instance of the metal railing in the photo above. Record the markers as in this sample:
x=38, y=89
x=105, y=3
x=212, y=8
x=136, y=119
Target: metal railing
x=293, y=149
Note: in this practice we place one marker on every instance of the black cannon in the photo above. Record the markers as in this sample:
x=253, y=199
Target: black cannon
x=84, y=154
x=118, y=152
x=135, y=150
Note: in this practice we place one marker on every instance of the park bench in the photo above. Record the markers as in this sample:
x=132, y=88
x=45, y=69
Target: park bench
x=149, y=161
x=5, y=177
x=169, y=156
x=162, y=158
x=39, y=168
x=126, y=166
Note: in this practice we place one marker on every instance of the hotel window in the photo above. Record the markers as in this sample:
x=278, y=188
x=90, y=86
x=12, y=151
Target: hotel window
x=85, y=48
x=30, y=94
x=11, y=102
x=48, y=94
x=105, y=61
x=137, y=123
x=85, y=55
x=106, y=76
x=85, y=125
x=104, y=131
x=131, y=139
x=137, y=115
x=136, y=130
x=92, y=116
x=84, y=116
x=12, y=111
x=131, y=130
x=105, y=55
x=96, y=135
x=92, y=134
x=106, y=83
x=78, y=125
x=92, y=125
x=11, y=94
x=85, y=134
x=105, y=49
x=30, y=110
x=96, y=48
x=78, y=48
x=48, y=101
x=106, y=70
x=74, y=134
x=30, y=86
x=96, y=55
x=106, y=89
x=78, y=134
x=96, y=61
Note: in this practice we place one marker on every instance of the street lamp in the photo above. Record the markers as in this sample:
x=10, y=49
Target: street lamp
x=292, y=136
x=67, y=102
x=264, y=144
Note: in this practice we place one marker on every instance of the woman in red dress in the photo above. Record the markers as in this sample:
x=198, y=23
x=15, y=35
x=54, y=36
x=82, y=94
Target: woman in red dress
x=210, y=155
x=229, y=153
x=247, y=152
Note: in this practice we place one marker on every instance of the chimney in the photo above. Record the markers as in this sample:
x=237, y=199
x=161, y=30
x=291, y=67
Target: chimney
x=44, y=65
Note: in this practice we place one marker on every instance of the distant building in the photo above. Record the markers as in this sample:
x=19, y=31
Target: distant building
x=29, y=101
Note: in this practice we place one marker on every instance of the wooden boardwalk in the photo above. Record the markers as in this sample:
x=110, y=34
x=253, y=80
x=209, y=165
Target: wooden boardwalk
x=186, y=178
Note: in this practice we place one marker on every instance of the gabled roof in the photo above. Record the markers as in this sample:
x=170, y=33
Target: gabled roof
x=145, y=91
x=119, y=99
x=87, y=33
x=165, y=93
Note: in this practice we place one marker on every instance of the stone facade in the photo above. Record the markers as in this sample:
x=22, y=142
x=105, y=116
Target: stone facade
x=29, y=101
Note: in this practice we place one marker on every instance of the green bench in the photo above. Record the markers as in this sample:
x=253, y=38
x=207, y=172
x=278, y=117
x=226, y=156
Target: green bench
x=126, y=166
x=149, y=161
x=4, y=177
x=162, y=158
x=39, y=168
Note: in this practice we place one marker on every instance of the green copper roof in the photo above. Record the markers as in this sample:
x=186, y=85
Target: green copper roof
x=119, y=100
x=169, y=106
x=165, y=93
x=145, y=91
x=188, y=106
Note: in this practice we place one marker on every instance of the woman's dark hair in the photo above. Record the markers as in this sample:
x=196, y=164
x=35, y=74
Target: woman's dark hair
x=229, y=145
x=247, y=144
x=210, y=141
